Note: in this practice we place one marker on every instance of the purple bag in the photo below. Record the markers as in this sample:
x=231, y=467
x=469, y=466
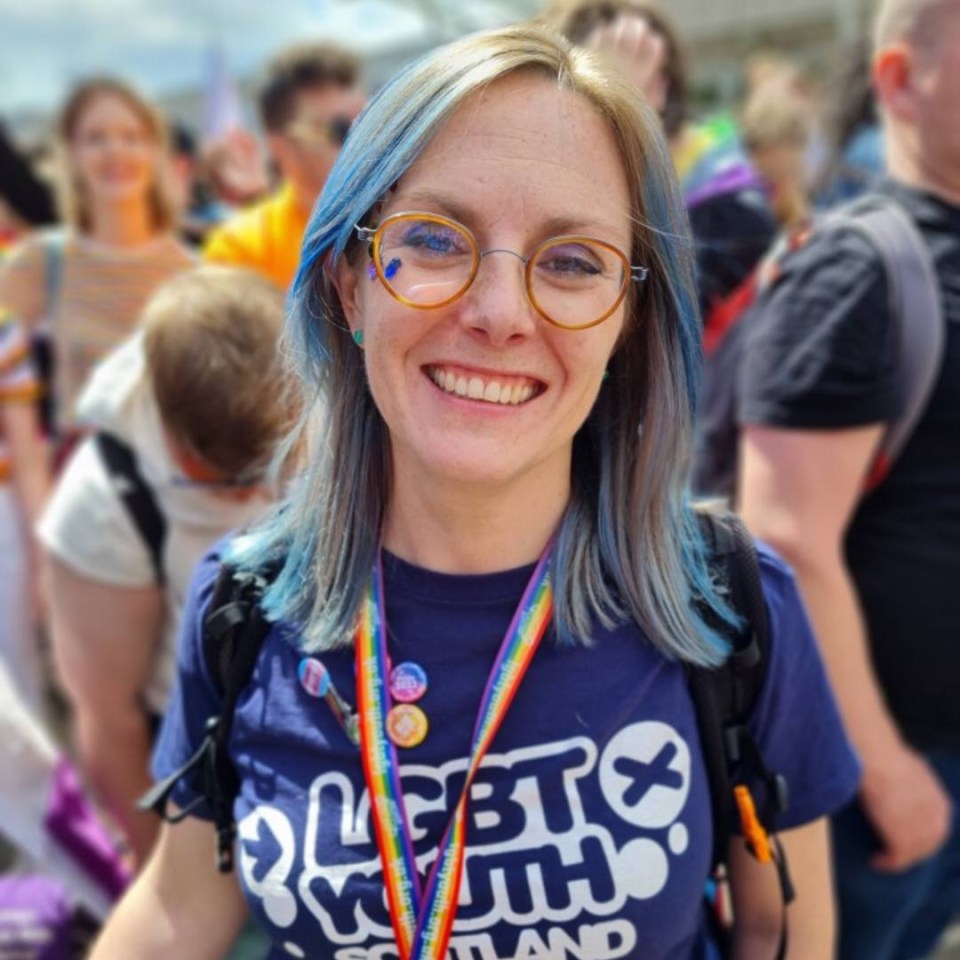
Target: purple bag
x=35, y=919
x=73, y=824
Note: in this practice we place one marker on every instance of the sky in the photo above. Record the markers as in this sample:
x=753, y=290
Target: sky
x=163, y=45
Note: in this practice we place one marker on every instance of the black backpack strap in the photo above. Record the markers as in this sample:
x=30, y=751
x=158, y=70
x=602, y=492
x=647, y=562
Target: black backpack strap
x=725, y=696
x=233, y=633
x=136, y=496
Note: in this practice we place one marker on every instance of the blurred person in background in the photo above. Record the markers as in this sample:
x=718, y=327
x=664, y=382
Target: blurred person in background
x=195, y=402
x=78, y=291
x=23, y=488
x=775, y=128
x=729, y=214
x=309, y=99
x=82, y=288
x=852, y=145
x=878, y=564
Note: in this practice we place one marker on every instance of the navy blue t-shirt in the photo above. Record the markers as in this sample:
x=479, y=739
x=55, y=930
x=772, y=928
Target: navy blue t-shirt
x=589, y=831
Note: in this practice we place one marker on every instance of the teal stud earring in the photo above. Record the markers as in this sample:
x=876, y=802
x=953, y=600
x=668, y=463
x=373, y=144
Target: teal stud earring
x=606, y=376
x=358, y=337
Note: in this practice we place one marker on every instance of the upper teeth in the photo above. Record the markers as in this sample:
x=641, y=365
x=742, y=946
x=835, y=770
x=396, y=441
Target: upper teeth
x=478, y=388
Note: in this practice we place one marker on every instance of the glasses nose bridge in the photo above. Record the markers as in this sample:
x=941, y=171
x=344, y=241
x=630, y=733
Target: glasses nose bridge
x=481, y=254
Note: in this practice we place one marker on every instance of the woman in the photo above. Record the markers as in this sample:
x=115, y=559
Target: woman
x=83, y=287
x=495, y=295
x=77, y=292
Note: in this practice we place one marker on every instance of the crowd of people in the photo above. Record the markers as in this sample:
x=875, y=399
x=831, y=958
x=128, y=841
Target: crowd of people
x=526, y=351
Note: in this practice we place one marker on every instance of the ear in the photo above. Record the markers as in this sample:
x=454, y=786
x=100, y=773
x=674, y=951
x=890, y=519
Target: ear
x=893, y=79
x=345, y=278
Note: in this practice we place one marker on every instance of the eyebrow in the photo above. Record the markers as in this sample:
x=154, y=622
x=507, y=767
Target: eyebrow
x=553, y=227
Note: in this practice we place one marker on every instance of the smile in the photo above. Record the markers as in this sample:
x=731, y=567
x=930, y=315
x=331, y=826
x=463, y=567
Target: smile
x=502, y=390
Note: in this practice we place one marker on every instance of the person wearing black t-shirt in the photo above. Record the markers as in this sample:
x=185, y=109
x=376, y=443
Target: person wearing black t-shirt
x=880, y=570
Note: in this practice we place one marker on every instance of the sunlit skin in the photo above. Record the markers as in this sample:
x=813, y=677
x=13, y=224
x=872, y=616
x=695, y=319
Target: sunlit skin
x=113, y=153
x=517, y=164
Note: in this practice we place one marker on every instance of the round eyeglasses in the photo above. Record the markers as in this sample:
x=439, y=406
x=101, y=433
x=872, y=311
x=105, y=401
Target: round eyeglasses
x=427, y=261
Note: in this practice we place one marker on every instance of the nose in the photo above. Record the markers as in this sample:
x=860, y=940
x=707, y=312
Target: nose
x=497, y=304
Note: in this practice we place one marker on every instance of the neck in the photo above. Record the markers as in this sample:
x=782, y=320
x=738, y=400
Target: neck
x=474, y=530
x=123, y=225
x=303, y=196
x=906, y=162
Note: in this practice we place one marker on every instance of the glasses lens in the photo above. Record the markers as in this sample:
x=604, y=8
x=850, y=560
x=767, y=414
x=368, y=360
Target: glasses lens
x=576, y=281
x=338, y=129
x=426, y=262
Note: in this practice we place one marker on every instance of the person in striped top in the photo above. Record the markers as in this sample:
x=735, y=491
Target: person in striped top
x=84, y=285
x=23, y=485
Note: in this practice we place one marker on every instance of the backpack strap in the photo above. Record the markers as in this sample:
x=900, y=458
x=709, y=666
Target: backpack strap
x=136, y=496
x=916, y=307
x=724, y=698
x=233, y=633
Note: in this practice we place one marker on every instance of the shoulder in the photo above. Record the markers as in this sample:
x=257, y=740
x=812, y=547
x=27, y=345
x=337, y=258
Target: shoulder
x=820, y=347
x=83, y=500
x=240, y=237
x=177, y=253
x=22, y=275
x=837, y=260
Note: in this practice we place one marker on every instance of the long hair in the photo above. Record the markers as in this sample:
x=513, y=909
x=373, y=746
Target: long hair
x=71, y=195
x=629, y=546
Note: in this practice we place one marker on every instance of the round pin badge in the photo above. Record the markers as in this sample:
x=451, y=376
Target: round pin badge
x=408, y=682
x=314, y=677
x=407, y=725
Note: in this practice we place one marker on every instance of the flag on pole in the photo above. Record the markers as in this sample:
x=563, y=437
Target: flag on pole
x=222, y=109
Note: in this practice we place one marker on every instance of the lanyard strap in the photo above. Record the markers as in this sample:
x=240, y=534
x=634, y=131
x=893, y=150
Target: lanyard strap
x=423, y=920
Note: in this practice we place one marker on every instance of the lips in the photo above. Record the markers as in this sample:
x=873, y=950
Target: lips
x=488, y=388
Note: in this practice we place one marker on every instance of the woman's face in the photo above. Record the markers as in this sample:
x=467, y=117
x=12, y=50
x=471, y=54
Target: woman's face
x=113, y=152
x=517, y=164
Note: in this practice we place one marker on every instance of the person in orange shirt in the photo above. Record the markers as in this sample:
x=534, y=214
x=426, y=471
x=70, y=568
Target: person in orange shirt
x=308, y=102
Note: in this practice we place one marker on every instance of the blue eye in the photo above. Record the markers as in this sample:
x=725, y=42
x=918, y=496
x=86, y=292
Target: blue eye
x=390, y=270
x=434, y=238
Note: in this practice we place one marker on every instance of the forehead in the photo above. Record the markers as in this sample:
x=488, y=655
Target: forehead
x=527, y=147
x=108, y=107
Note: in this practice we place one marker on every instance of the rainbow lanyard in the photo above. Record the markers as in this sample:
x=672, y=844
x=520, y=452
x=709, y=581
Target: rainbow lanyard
x=422, y=922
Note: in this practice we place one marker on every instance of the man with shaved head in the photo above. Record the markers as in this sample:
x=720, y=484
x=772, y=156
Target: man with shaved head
x=879, y=565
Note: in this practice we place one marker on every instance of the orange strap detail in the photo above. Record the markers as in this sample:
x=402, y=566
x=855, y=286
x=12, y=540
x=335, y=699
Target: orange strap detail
x=758, y=840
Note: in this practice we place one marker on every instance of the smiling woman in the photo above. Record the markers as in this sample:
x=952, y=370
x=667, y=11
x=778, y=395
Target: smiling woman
x=495, y=322
x=82, y=287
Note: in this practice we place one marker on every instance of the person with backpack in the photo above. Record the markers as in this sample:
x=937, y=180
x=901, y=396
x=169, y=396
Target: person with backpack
x=183, y=421
x=446, y=699
x=838, y=357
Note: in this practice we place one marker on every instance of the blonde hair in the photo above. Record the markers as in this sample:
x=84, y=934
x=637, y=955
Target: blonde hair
x=210, y=342
x=911, y=20
x=73, y=203
x=773, y=117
